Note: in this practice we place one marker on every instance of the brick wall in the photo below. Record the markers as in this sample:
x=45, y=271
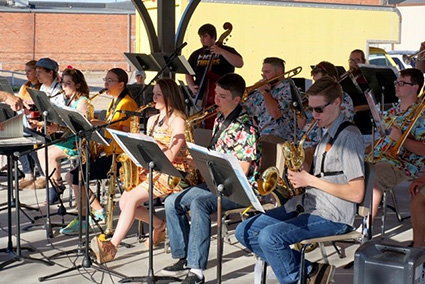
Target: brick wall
x=85, y=41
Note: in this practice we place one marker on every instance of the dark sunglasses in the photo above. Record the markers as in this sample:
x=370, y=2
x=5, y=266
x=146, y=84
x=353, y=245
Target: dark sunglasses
x=319, y=109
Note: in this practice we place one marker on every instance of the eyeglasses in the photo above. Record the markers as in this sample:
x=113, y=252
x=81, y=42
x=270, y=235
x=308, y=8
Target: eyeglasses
x=319, y=109
x=109, y=81
x=402, y=83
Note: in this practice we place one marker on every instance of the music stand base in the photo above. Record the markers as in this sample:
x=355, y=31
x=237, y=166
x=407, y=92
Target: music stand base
x=23, y=259
x=148, y=279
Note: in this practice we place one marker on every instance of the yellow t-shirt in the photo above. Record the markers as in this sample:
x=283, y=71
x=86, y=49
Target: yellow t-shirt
x=126, y=103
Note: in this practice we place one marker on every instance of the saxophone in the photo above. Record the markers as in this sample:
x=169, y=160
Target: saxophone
x=112, y=189
x=294, y=158
x=194, y=176
x=129, y=172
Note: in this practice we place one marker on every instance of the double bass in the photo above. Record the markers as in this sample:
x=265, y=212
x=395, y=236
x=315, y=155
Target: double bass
x=206, y=90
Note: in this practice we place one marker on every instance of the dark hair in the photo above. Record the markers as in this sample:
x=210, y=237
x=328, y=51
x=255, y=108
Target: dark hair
x=325, y=68
x=208, y=29
x=275, y=62
x=78, y=78
x=55, y=73
x=361, y=52
x=31, y=64
x=173, y=98
x=121, y=74
x=326, y=86
x=232, y=82
x=416, y=76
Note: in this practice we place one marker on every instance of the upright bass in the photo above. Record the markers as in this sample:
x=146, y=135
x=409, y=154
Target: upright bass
x=206, y=90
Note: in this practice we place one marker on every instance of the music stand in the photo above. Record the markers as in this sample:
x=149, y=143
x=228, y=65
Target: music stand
x=142, y=61
x=11, y=148
x=225, y=178
x=178, y=64
x=297, y=103
x=381, y=81
x=144, y=152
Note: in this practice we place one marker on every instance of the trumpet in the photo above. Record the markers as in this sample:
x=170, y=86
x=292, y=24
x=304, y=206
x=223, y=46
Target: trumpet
x=408, y=58
x=289, y=74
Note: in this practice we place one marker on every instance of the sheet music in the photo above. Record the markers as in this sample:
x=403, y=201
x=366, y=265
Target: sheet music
x=370, y=97
x=116, y=134
x=5, y=86
x=235, y=164
x=13, y=127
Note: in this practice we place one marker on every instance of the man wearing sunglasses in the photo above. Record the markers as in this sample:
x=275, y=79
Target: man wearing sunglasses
x=392, y=171
x=332, y=191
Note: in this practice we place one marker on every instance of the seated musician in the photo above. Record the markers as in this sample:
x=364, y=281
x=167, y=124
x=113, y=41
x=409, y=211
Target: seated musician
x=420, y=60
x=225, y=59
x=116, y=84
x=76, y=89
x=235, y=133
x=323, y=68
x=167, y=128
x=46, y=71
x=329, y=201
x=417, y=211
x=391, y=171
x=270, y=103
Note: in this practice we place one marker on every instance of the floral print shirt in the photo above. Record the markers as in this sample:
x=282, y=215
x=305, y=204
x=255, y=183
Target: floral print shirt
x=406, y=160
x=240, y=140
x=283, y=126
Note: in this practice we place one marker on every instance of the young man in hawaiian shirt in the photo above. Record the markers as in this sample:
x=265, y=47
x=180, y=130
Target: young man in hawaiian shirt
x=190, y=243
x=407, y=166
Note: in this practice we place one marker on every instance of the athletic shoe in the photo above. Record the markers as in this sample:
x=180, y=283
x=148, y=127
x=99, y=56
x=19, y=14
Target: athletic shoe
x=178, y=269
x=98, y=217
x=192, y=278
x=73, y=227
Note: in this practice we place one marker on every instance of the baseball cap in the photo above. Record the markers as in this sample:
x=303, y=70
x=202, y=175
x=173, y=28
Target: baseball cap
x=141, y=73
x=47, y=63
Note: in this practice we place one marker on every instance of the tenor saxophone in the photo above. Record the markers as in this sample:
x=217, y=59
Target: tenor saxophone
x=129, y=172
x=112, y=189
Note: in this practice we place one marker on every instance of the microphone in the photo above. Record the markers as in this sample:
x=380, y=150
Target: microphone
x=130, y=113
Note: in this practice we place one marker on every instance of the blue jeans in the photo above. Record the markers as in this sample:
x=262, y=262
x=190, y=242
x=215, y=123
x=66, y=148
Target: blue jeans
x=28, y=161
x=192, y=241
x=270, y=235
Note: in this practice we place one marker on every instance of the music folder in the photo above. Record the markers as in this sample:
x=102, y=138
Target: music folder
x=227, y=169
x=370, y=97
x=77, y=122
x=43, y=103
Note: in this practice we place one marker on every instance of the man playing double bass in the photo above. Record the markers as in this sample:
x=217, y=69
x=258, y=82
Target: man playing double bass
x=224, y=61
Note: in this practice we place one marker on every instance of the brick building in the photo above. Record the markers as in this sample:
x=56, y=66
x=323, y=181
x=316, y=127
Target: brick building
x=88, y=36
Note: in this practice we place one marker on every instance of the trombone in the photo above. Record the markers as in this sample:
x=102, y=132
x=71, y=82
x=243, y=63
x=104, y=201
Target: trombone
x=408, y=58
x=289, y=74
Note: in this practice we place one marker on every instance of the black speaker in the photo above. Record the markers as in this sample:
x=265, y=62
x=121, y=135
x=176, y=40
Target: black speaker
x=376, y=263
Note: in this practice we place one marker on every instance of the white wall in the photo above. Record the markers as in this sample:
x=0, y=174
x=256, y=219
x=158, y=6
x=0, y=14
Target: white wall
x=412, y=27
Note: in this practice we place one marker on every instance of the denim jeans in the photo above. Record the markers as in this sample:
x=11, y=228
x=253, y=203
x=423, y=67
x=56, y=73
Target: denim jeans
x=270, y=235
x=192, y=241
x=28, y=161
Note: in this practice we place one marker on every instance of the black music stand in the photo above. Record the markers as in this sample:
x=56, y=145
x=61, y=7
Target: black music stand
x=224, y=177
x=5, y=86
x=144, y=152
x=11, y=148
x=142, y=61
x=297, y=104
x=178, y=64
x=43, y=104
x=381, y=81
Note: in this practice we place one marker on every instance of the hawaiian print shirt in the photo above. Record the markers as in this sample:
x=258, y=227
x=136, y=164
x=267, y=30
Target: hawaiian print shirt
x=240, y=140
x=314, y=137
x=283, y=126
x=406, y=160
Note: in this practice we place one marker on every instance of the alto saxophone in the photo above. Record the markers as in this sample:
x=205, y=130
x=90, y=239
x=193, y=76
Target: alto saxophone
x=294, y=158
x=112, y=189
x=129, y=172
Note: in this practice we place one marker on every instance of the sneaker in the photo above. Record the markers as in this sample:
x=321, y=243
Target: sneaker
x=73, y=227
x=178, y=269
x=26, y=183
x=192, y=278
x=98, y=217
x=320, y=274
x=105, y=251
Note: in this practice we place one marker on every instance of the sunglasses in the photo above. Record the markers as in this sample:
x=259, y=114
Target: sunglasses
x=319, y=109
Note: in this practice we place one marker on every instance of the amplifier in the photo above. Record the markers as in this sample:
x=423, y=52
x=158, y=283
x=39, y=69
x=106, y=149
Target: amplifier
x=376, y=263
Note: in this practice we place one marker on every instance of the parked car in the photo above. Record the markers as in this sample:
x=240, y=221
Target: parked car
x=397, y=56
x=378, y=56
